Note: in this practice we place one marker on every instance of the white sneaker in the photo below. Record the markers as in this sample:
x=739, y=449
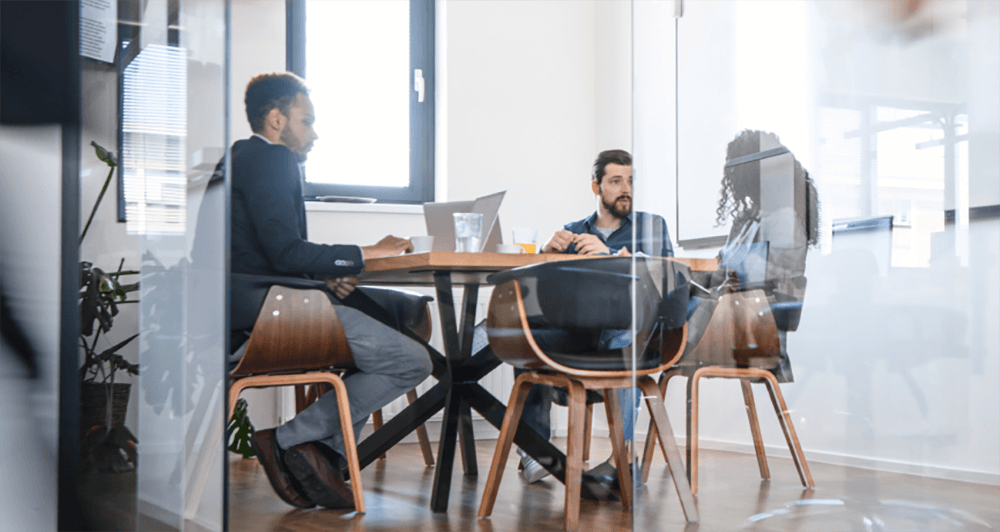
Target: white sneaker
x=531, y=471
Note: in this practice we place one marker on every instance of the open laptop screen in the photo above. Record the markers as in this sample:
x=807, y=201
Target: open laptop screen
x=441, y=223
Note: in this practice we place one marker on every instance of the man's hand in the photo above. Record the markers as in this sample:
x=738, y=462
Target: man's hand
x=588, y=244
x=342, y=286
x=559, y=242
x=387, y=247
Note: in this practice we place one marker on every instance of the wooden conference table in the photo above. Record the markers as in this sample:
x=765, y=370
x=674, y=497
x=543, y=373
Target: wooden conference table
x=458, y=370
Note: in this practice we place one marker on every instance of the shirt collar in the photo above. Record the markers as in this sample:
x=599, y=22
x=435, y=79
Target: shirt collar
x=591, y=221
x=262, y=137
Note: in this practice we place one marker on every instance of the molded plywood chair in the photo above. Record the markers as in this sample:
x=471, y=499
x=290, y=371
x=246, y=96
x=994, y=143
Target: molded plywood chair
x=738, y=330
x=421, y=326
x=545, y=317
x=296, y=339
x=742, y=340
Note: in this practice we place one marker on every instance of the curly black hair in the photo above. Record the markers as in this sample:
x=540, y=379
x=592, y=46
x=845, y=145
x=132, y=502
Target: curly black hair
x=740, y=194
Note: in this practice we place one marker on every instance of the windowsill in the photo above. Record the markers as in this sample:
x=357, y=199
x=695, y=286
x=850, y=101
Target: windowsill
x=383, y=208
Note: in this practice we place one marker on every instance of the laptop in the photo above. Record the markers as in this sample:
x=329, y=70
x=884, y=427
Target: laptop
x=441, y=223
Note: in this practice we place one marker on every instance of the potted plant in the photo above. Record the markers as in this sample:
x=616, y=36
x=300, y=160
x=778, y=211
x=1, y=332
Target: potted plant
x=106, y=444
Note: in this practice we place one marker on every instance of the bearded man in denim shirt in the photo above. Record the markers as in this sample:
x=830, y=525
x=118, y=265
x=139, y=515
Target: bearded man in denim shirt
x=608, y=231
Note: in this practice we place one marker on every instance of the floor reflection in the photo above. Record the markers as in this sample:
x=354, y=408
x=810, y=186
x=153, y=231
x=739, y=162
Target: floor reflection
x=820, y=515
x=732, y=497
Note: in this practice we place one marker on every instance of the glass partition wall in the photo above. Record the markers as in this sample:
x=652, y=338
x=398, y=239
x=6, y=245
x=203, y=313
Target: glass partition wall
x=154, y=126
x=839, y=160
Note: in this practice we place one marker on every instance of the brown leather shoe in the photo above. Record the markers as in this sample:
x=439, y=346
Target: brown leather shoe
x=318, y=471
x=265, y=446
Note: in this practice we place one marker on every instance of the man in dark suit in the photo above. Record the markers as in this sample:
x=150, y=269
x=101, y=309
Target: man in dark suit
x=303, y=457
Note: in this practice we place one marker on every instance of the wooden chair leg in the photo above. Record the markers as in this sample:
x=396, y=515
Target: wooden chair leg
x=574, y=455
x=377, y=422
x=350, y=446
x=425, y=443
x=588, y=429
x=619, y=451
x=786, y=426
x=235, y=389
x=510, y=420
x=758, y=442
x=328, y=381
x=300, y=397
x=650, y=448
x=307, y=394
x=661, y=422
x=692, y=430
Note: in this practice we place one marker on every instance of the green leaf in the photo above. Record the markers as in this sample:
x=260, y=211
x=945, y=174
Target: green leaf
x=129, y=287
x=240, y=430
x=113, y=349
x=104, y=155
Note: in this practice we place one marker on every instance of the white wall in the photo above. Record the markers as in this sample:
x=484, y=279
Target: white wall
x=258, y=46
x=521, y=113
x=612, y=76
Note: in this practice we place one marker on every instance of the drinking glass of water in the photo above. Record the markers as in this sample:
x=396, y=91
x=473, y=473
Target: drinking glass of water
x=468, y=228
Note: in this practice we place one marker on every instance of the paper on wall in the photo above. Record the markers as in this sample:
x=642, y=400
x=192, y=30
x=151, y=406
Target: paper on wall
x=99, y=29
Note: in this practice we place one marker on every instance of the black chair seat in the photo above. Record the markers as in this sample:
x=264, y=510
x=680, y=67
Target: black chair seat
x=608, y=360
x=406, y=308
x=787, y=315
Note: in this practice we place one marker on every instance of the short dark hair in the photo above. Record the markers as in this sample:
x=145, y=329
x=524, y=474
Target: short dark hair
x=607, y=157
x=269, y=91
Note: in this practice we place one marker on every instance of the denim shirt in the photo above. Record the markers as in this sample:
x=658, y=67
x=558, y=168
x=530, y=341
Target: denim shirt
x=652, y=236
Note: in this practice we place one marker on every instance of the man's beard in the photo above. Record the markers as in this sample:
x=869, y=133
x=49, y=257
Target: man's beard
x=293, y=143
x=615, y=210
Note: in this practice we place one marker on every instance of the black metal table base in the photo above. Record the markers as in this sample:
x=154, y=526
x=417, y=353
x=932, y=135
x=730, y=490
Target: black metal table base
x=458, y=393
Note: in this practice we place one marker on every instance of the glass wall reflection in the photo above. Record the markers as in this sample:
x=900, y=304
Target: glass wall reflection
x=154, y=106
x=838, y=160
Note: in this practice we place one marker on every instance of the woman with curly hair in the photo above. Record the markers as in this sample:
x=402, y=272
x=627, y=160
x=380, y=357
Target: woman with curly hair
x=774, y=209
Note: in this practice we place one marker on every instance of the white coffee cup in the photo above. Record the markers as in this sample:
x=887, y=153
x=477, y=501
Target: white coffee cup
x=509, y=248
x=422, y=244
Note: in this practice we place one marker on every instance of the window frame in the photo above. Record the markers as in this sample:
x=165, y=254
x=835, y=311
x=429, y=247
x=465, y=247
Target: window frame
x=422, y=164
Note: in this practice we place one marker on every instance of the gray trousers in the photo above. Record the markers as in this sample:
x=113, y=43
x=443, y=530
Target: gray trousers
x=389, y=363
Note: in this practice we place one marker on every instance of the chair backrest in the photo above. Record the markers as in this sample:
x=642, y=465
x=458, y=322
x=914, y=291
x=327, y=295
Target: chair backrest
x=757, y=267
x=559, y=314
x=296, y=330
x=740, y=331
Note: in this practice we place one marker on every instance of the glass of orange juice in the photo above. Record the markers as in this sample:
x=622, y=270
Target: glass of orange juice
x=526, y=237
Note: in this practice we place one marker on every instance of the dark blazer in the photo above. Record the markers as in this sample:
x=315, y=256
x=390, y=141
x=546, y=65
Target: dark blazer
x=269, y=217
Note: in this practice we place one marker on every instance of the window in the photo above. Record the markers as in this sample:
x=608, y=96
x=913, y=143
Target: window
x=891, y=157
x=370, y=69
x=153, y=141
x=152, y=125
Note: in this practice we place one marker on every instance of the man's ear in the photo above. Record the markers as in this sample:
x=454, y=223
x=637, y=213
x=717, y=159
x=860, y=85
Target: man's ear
x=275, y=119
x=595, y=187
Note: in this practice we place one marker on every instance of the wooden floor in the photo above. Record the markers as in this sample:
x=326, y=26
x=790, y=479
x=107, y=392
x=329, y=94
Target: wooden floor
x=732, y=497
